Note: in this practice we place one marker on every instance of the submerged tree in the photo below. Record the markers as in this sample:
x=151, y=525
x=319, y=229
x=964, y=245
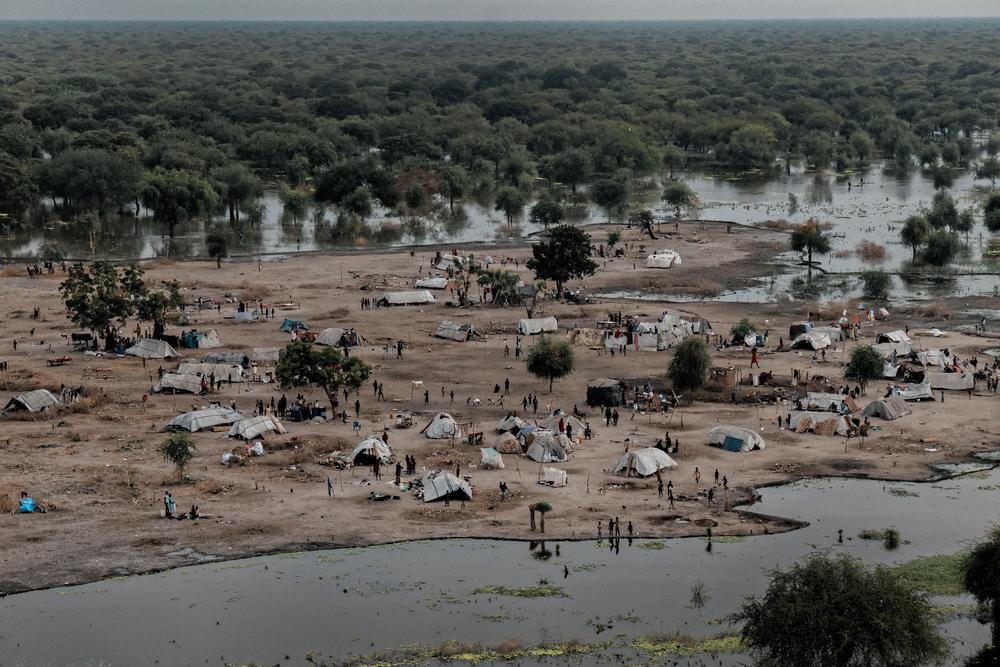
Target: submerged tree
x=680, y=196
x=914, y=233
x=177, y=195
x=810, y=238
x=877, y=284
x=981, y=576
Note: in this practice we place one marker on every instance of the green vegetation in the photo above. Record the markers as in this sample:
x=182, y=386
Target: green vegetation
x=651, y=545
x=981, y=577
x=866, y=365
x=178, y=449
x=302, y=364
x=539, y=591
x=888, y=536
x=937, y=575
x=742, y=329
x=877, y=284
x=810, y=238
x=562, y=256
x=688, y=369
x=551, y=359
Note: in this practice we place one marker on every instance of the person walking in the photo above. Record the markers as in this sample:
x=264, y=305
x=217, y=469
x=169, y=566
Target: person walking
x=697, y=475
x=427, y=397
x=716, y=475
x=711, y=494
x=399, y=472
x=659, y=489
x=670, y=497
x=753, y=358
x=357, y=408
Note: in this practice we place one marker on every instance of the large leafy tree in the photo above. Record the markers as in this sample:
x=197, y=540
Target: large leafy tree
x=837, y=612
x=545, y=212
x=18, y=190
x=176, y=195
x=679, y=196
x=563, y=256
x=91, y=179
x=866, y=365
x=941, y=247
x=943, y=213
x=550, y=359
x=304, y=365
x=218, y=247
x=610, y=194
x=511, y=202
x=689, y=367
x=989, y=169
x=237, y=188
x=914, y=233
x=454, y=181
x=991, y=213
x=810, y=238
x=572, y=167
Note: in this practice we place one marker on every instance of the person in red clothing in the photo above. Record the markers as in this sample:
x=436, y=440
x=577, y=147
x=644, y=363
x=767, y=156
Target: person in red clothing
x=753, y=358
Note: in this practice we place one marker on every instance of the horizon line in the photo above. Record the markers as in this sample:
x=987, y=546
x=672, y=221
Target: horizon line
x=843, y=19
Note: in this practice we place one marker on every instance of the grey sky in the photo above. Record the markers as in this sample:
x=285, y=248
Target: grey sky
x=487, y=9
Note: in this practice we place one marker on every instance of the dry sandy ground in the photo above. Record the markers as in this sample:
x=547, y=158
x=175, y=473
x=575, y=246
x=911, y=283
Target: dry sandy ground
x=97, y=468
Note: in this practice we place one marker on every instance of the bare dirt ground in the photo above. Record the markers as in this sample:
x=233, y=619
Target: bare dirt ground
x=96, y=467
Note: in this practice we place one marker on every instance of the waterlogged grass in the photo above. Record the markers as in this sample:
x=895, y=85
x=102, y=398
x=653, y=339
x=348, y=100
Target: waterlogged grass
x=937, y=575
x=652, y=545
x=904, y=493
x=724, y=539
x=658, y=647
x=539, y=591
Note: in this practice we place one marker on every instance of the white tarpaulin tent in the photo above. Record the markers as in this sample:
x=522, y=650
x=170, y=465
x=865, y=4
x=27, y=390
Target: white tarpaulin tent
x=368, y=449
x=455, y=331
x=815, y=400
x=509, y=422
x=266, y=355
x=442, y=427
x=175, y=382
x=408, y=298
x=888, y=408
x=448, y=261
x=508, y=444
x=554, y=477
x=548, y=447
x=432, y=283
x=224, y=372
x=822, y=423
x=32, y=401
x=439, y=485
x=663, y=259
x=255, y=427
x=915, y=392
x=148, y=348
x=644, y=462
x=223, y=358
x=551, y=423
x=950, y=381
x=897, y=336
x=209, y=340
x=933, y=358
x=735, y=438
x=812, y=340
x=490, y=458
x=534, y=326
x=198, y=420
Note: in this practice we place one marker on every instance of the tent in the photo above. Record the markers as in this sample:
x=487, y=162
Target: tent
x=174, y=383
x=455, y=331
x=448, y=261
x=200, y=339
x=735, y=438
x=798, y=328
x=821, y=423
x=491, y=458
x=548, y=447
x=431, y=283
x=223, y=358
x=289, y=326
x=605, y=392
x=554, y=476
x=509, y=423
x=950, y=381
x=551, y=423
x=149, y=348
x=889, y=408
x=408, y=298
x=530, y=327
x=369, y=449
x=897, y=336
x=32, y=401
x=440, y=485
x=254, y=427
x=644, y=462
x=442, y=427
x=245, y=316
x=916, y=392
x=821, y=401
x=199, y=420
x=336, y=337
x=933, y=358
x=224, y=372
x=812, y=340
x=508, y=444
x=890, y=370
x=887, y=349
x=267, y=356
x=663, y=259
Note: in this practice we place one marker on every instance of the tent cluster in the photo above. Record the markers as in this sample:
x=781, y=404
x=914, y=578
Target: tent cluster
x=670, y=330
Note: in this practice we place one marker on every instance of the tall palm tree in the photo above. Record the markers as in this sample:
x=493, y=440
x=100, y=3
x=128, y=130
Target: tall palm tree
x=981, y=576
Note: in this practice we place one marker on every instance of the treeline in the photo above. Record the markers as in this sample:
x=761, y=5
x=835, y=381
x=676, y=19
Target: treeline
x=187, y=120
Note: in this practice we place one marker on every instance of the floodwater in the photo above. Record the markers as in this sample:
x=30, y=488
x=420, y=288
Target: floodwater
x=358, y=601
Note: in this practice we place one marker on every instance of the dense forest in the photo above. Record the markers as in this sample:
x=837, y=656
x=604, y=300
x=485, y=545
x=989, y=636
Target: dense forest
x=190, y=120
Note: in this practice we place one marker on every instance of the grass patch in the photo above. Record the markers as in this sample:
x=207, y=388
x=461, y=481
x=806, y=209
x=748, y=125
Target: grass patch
x=539, y=591
x=937, y=575
x=904, y=493
x=724, y=539
x=652, y=545
x=659, y=646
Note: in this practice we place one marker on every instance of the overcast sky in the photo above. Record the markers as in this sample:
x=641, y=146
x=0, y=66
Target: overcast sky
x=435, y=10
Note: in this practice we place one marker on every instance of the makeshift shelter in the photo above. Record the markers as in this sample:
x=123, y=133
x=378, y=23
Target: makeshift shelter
x=441, y=485
x=890, y=370
x=798, y=328
x=254, y=427
x=200, y=339
x=442, y=427
x=551, y=423
x=266, y=356
x=530, y=327
x=149, y=348
x=554, y=477
x=246, y=316
x=289, y=326
x=663, y=259
x=337, y=337
x=881, y=314
x=897, y=336
x=889, y=408
x=508, y=443
x=939, y=358
x=821, y=423
x=449, y=261
x=199, y=420
x=509, y=423
x=644, y=462
x=831, y=402
x=491, y=459
x=950, y=381
x=439, y=282
x=548, y=447
x=455, y=331
x=915, y=392
x=371, y=449
x=811, y=340
x=175, y=383
x=224, y=372
x=735, y=438
x=605, y=393
x=32, y=401
x=887, y=349
x=223, y=358
x=408, y=298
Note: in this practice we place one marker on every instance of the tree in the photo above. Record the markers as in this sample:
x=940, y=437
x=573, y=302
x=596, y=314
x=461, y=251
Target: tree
x=99, y=298
x=943, y=213
x=914, y=233
x=742, y=329
x=218, y=247
x=609, y=194
x=511, y=201
x=991, y=213
x=550, y=360
x=18, y=191
x=689, y=368
x=572, y=167
x=989, y=170
x=358, y=202
x=941, y=247
x=679, y=195
x=324, y=367
x=643, y=220
x=965, y=223
x=92, y=180
x=176, y=195
x=153, y=306
x=877, y=284
x=866, y=364
x=453, y=183
x=237, y=187
x=673, y=158
x=862, y=146
x=178, y=449
x=614, y=238
x=835, y=611
x=564, y=256
x=752, y=145
x=545, y=212
x=810, y=238
x=981, y=576
x=503, y=286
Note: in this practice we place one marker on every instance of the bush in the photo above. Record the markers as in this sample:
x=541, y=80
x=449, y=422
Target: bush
x=742, y=329
x=870, y=252
x=866, y=365
x=877, y=284
x=941, y=248
x=689, y=368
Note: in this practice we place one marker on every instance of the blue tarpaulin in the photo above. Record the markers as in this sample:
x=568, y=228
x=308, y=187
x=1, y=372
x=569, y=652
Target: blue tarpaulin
x=27, y=506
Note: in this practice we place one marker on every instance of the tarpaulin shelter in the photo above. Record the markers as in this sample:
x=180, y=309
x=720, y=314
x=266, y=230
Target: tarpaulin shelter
x=822, y=423
x=337, y=337
x=915, y=392
x=605, y=393
x=554, y=477
x=199, y=420
x=246, y=316
x=889, y=408
x=407, y=298
x=149, y=348
x=224, y=372
x=442, y=427
x=897, y=336
x=838, y=402
x=32, y=401
x=266, y=356
x=508, y=443
x=663, y=259
x=200, y=339
x=950, y=381
x=644, y=462
x=735, y=438
x=934, y=357
x=371, y=448
x=448, y=261
x=491, y=459
x=509, y=423
x=223, y=358
x=811, y=340
x=441, y=485
x=455, y=331
x=439, y=282
x=531, y=327
x=255, y=427
x=798, y=328
x=548, y=447
x=551, y=423
x=289, y=326
x=175, y=383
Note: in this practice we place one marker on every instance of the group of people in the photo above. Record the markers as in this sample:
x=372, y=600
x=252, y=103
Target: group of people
x=170, y=509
